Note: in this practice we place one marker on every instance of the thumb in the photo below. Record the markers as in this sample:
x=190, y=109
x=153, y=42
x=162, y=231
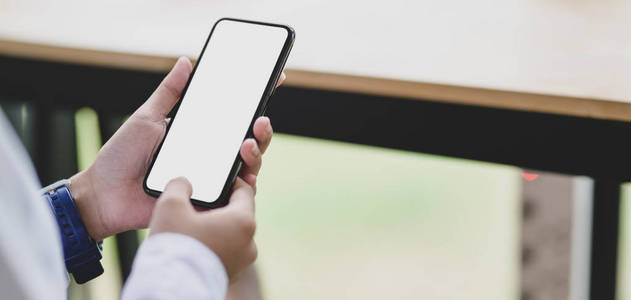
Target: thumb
x=169, y=91
x=176, y=195
x=173, y=206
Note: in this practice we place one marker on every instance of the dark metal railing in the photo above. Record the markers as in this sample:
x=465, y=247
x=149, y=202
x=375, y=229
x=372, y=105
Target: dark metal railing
x=571, y=145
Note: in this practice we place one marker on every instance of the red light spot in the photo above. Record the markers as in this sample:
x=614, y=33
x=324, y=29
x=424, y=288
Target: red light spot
x=529, y=176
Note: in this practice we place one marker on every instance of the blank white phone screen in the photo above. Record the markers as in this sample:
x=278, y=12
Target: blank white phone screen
x=215, y=113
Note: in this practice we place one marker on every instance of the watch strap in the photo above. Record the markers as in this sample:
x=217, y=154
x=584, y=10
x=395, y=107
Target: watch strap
x=81, y=253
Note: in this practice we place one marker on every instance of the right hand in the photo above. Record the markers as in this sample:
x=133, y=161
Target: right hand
x=228, y=231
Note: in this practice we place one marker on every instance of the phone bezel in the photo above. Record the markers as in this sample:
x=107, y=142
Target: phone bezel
x=223, y=198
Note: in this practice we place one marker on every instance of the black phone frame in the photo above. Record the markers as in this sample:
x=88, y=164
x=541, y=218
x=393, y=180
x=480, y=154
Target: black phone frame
x=260, y=111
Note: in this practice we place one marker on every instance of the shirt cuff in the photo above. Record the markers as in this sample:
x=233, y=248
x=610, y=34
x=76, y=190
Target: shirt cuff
x=172, y=265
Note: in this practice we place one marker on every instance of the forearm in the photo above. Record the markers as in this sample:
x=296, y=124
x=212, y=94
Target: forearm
x=175, y=266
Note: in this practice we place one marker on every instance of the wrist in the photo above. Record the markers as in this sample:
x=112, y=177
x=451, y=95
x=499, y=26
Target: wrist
x=81, y=253
x=82, y=191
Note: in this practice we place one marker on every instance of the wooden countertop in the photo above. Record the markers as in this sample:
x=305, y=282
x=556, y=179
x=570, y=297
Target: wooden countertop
x=557, y=56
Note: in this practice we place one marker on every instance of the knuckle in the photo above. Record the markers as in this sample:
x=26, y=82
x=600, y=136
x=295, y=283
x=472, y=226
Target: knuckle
x=170, y=88
x=243, y=189
x=169, y=202
x=253, y=253
x=246, y=224
x=248, y=189
x=168, y=197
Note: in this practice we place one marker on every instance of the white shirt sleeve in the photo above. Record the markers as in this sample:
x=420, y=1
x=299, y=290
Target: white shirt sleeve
x=31, y=255
x=175, y=266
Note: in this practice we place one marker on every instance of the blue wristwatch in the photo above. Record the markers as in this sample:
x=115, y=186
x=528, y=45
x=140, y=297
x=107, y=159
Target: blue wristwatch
x=82, y=254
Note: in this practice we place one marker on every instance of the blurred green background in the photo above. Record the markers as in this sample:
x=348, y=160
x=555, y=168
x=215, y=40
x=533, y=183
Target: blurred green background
x=344, y=221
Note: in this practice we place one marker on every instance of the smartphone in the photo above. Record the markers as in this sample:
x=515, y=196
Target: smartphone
x=230, y=86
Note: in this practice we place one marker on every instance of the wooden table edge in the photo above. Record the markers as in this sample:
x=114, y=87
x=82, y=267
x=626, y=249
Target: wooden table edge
x=477, y=96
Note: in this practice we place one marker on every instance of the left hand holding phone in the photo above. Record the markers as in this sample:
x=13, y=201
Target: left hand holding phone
x=109, y=194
